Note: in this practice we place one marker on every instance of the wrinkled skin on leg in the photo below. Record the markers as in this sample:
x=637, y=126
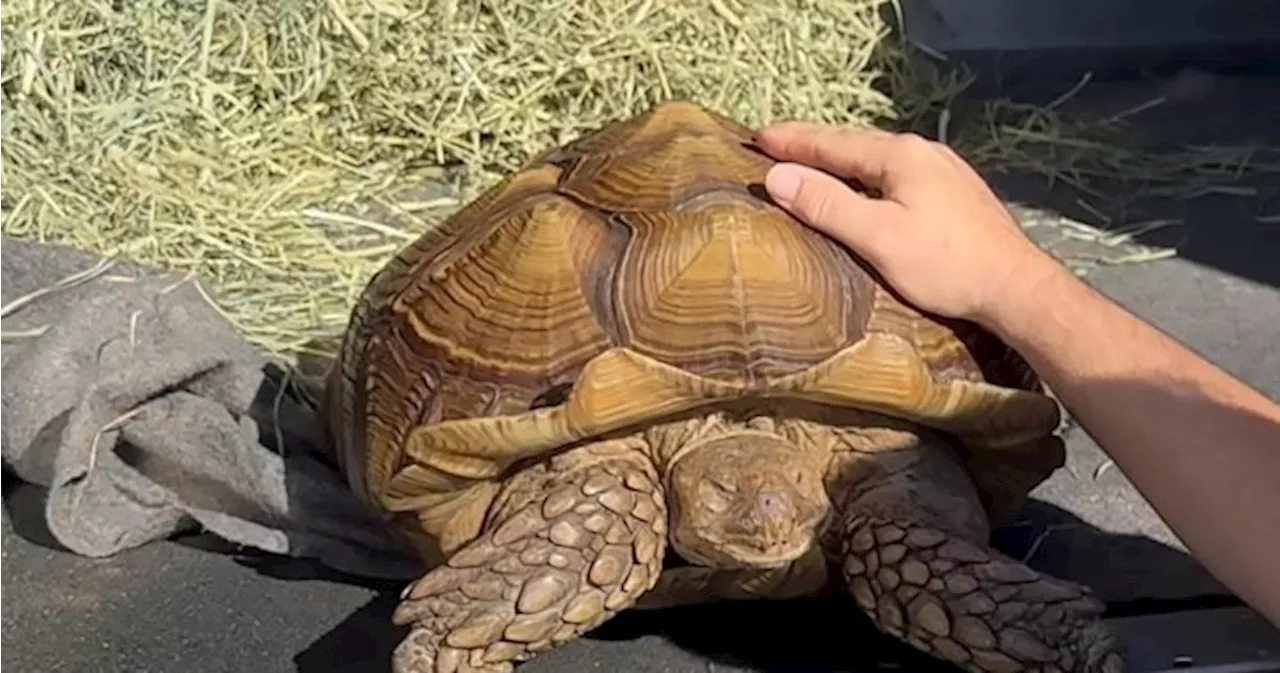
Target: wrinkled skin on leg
x=569, y=545
x=913, y=538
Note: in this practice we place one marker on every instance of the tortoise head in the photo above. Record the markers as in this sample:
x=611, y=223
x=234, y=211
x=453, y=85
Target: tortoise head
x=746, y=499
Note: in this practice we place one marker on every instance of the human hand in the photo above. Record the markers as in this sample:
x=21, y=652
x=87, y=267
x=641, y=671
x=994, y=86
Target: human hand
x=935, y=230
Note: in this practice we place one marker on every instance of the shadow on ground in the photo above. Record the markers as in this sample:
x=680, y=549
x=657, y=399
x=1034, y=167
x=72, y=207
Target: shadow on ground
x=24, y=505
x=1134, y=574
x=810, y=634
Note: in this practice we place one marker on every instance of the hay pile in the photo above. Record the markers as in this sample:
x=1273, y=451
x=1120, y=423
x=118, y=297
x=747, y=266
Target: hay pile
x=232, y=139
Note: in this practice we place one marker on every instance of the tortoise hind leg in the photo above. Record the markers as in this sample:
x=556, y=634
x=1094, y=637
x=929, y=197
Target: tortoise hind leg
x=570, y=544
x=914, y=541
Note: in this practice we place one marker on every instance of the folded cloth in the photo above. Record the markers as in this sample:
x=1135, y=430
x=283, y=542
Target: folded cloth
x=142, y=410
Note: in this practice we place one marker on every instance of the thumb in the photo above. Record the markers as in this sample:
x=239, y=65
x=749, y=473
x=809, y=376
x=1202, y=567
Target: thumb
x=825, y=203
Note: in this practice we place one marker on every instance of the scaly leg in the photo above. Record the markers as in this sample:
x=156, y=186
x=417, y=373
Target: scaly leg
x=916, y=559
x=569, y=547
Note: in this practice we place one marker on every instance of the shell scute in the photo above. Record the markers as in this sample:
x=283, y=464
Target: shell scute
x=649, y=241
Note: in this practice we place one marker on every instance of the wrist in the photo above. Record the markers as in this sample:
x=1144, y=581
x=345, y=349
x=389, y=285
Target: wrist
x=1037, y=283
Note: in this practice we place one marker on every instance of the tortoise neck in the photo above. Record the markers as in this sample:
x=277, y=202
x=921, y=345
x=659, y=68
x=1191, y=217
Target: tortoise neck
x=674, y=454
x=676, y=441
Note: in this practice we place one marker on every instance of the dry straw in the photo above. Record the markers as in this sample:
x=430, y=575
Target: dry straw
x=232, y=140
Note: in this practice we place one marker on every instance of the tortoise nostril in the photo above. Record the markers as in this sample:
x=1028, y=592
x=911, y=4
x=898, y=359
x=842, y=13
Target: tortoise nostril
x=774, y=505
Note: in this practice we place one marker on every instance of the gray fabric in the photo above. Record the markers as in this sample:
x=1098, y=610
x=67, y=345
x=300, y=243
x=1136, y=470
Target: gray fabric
x=145, y=413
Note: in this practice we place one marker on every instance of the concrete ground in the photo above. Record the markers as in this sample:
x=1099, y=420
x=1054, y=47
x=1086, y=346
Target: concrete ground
x=193, y=606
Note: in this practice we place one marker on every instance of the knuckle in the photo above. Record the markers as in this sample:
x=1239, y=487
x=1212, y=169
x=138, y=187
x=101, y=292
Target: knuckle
x=847, y=132
x=914, y=143
x=946, y=149
x=950, y=153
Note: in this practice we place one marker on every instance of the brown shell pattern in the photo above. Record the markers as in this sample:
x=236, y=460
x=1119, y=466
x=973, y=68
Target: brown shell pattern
x=652, y=234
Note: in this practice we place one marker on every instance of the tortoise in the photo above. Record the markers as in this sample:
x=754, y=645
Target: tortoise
x=623, y=378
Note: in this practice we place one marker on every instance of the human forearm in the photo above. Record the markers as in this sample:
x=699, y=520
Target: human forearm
x=1203, y=448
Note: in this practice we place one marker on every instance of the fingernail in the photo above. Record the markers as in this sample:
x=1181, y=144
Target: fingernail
x=783, y=181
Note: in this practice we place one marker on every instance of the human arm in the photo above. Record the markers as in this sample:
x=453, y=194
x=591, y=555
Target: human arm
x=1202, y=447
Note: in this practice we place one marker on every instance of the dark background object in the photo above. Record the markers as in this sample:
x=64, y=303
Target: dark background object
x=1019, y=46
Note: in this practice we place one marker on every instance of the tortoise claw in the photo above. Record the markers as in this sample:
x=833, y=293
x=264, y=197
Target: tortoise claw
x=419, y=653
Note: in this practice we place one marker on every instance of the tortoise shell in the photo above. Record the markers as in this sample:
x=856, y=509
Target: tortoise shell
x=638, y=272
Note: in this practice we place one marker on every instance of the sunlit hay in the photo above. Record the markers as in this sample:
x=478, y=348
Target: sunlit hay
x=235, y=140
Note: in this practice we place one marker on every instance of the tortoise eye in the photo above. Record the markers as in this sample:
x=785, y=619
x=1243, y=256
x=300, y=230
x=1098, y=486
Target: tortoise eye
x=552, y=397
x=724, y=483
x=713, y=497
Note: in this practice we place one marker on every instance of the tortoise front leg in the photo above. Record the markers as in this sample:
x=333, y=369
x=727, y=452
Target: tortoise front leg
x=571, y=545
x=914, y=541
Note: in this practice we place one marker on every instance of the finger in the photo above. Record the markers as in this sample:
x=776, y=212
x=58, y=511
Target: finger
x=825, y=203
x=866, y=155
